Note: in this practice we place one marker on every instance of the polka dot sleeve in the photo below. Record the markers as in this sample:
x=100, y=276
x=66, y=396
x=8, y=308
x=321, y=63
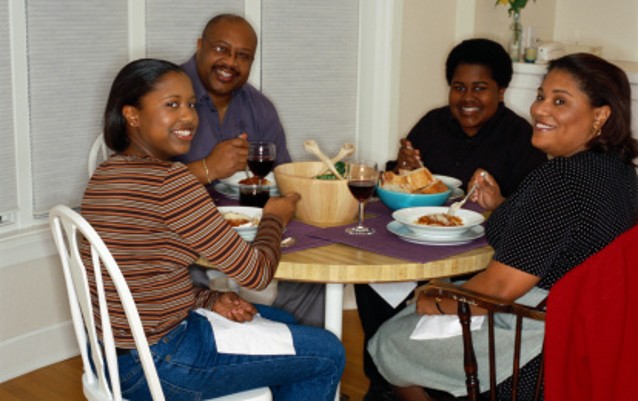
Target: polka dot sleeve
x=535, y=224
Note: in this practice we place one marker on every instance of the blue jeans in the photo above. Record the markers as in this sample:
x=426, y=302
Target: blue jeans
x=190, y=368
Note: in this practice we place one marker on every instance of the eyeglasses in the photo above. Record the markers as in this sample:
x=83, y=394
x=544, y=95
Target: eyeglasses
x=242, y=56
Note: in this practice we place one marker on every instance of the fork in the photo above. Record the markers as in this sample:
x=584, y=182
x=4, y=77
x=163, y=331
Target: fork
x=457, y=205
x=288, y=242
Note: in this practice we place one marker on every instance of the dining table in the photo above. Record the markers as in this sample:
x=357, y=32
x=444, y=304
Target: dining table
x=338, y=264
x=329, y=256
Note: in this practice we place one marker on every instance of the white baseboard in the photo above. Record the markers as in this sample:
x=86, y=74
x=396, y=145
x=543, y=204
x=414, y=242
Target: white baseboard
x=37, y=349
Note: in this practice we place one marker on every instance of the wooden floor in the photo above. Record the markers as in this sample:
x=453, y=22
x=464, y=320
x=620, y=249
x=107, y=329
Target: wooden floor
x=61, y=382
x=353, y=382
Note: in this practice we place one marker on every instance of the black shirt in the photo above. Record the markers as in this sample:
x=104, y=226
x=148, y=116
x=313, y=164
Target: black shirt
x=502, y=147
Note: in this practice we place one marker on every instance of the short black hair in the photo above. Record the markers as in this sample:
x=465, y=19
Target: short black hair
x=133, y=82
x=483, y=52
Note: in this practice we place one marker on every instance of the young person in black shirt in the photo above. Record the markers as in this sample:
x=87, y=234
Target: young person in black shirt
x=474, y=131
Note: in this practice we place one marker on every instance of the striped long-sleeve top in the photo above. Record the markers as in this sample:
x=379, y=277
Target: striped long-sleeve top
x=157, y=219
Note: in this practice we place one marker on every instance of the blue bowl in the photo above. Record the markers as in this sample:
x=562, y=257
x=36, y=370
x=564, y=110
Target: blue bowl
x=400, y=200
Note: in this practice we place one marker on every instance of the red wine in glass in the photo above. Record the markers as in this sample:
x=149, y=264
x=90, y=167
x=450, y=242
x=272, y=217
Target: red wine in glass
x=261, y=158
x=262, y=167
x=362, y=176
x=362, y=190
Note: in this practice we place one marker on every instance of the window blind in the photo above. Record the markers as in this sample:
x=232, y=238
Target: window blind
x=75, y=48
x=8, y=181
x=172, y=32
x=309, y=70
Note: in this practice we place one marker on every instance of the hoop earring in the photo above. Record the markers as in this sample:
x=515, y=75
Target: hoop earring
x=595, y=130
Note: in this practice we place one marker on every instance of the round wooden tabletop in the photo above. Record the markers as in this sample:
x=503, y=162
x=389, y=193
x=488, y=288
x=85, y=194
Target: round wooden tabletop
x=337, y=263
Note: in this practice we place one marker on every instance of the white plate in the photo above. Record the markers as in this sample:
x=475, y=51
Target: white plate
x=409, y=216
x=226, y=190
x=457, y=193
x=232, y=182
x=451, y=182
x=399, y=229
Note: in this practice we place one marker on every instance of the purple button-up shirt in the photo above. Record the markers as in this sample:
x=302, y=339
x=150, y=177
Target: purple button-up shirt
x=249, y=111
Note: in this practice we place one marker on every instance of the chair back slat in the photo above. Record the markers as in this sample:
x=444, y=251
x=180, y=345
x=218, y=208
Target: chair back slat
x=517, y=356
x=469, y=362
x=538, y=389
x=66, y=237
x=105, y=323
x=76, y=313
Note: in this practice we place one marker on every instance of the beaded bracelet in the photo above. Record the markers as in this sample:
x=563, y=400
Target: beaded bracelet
x=438, y=306
x=206, y=171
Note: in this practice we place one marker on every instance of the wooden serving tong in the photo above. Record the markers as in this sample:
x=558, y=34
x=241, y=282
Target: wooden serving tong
x=347, y=149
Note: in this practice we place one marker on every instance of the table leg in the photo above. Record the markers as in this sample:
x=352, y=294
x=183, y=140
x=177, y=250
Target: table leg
x=334, y=308
x=334, y=314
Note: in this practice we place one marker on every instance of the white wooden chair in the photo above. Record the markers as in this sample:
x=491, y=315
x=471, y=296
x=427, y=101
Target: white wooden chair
x=97, y=152
x=68, y=228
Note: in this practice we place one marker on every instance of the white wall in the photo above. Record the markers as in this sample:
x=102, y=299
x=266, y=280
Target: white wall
x=427, y=37
x=612, y=25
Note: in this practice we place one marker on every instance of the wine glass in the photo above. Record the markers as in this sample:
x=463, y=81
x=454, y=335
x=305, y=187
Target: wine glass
x=261, y=158
x=362, y=176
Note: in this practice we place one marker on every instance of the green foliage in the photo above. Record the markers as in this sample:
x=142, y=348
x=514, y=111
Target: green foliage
x=515, y=6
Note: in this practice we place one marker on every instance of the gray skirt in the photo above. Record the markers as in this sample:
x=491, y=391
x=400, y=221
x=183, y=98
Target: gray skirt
x=438, y=363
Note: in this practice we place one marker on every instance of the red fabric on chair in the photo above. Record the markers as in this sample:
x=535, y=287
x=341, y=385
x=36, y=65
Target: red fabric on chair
x=591, y=343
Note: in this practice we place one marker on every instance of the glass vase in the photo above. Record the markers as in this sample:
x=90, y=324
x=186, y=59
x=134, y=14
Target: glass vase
x=516, y=37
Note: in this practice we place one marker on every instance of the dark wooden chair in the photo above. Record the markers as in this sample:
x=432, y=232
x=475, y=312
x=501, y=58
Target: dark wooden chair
x=467, y=298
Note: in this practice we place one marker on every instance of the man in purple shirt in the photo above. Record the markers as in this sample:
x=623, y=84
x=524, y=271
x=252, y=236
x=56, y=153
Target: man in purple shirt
x=227, y=105
x=231, y=114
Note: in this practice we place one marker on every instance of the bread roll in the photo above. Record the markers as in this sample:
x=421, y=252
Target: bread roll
x=416, y=181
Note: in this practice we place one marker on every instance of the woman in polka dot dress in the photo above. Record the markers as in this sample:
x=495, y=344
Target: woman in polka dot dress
x=564, y=211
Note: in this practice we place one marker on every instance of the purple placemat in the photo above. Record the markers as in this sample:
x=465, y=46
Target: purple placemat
x=386, y=243
x=383, y=241
x=300, y=231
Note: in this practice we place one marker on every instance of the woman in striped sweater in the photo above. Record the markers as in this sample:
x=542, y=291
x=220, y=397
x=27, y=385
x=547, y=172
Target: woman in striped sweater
x=157, y=219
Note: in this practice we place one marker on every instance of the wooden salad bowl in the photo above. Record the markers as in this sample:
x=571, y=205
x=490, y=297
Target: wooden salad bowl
x=323, y=203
